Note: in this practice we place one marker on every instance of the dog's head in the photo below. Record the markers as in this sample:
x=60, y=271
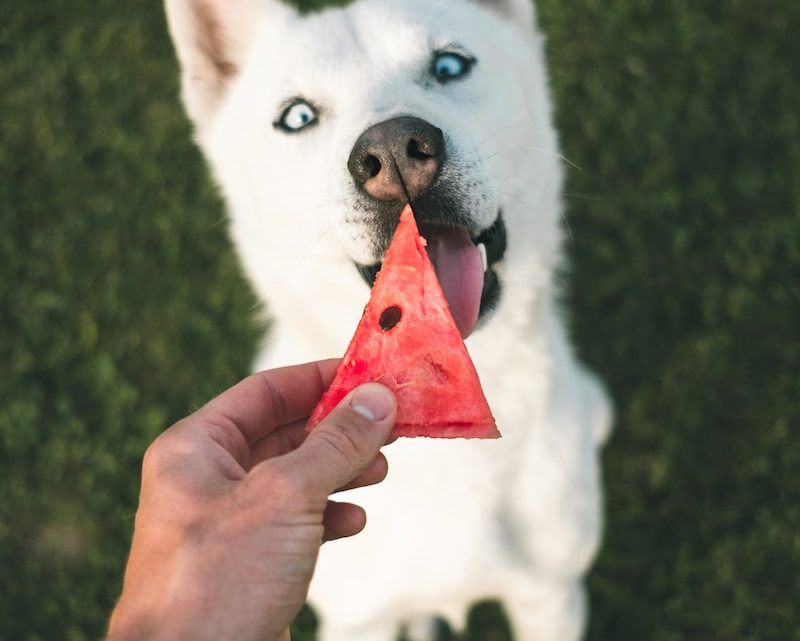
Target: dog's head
x=319, y=128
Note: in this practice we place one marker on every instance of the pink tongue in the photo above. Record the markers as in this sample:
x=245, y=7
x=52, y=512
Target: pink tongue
x=459, y=269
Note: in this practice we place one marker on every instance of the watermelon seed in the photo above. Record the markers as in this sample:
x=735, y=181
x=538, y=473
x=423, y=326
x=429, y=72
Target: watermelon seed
x=390, y=317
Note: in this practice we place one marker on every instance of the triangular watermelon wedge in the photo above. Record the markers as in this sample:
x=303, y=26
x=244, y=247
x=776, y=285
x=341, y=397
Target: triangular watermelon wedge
x=408, y=341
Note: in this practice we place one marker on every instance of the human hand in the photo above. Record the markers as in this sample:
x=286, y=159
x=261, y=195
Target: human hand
x=234, y=507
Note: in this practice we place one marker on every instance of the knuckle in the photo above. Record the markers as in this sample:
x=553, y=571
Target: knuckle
x=166, y=452
x=157, y=455
x=280, y=406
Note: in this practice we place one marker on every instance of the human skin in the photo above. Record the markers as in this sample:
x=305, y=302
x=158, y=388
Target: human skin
x=235, y=505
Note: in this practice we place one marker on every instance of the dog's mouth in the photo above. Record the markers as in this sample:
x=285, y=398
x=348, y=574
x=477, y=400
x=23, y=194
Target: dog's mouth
x=464, y=262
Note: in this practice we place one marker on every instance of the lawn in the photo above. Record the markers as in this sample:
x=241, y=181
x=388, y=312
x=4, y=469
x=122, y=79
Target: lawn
x=122, y=306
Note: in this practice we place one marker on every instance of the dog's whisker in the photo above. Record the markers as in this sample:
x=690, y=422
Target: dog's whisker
x=575, y=196
x=222, y=220
x=309, y=250
x=512, y=128
x=568, y=227
x=257, y=306
x=541, y=150
x=292, y=215
x=526, y=203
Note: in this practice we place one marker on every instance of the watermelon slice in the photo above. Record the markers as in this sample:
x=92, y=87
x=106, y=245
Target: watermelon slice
x=408, y=340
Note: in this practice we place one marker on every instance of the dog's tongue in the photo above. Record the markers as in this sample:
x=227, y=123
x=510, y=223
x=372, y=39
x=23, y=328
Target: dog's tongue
x=459, y=268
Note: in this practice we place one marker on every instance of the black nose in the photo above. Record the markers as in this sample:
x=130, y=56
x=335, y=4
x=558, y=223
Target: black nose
x=407, y=145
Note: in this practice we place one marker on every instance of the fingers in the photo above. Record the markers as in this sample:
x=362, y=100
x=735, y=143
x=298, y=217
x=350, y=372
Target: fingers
x=268, y=399
x=288, y=438
x=282, y=440
x=345, y=444
x=342, y=520
x=375, y=473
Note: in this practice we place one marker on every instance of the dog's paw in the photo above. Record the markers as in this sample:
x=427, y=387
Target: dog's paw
x=428, y=628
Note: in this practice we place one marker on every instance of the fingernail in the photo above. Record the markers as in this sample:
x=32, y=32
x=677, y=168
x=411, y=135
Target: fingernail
x=373, y=401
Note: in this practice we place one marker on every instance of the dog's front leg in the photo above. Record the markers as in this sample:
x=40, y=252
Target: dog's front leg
x=375, y=631
x=546, y=611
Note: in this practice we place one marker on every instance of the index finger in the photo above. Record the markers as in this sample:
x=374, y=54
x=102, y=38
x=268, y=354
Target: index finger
x=266, y=400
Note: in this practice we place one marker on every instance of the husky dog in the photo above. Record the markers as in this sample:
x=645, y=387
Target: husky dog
x=318, y=128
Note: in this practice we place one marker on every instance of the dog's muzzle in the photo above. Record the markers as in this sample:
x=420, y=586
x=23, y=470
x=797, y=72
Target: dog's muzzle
x=400, y=160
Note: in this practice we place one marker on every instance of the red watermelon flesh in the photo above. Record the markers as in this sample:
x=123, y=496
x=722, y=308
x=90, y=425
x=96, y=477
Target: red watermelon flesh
x=408, y=340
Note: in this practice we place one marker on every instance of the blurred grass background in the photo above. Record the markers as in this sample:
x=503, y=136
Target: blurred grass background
x=122, y=307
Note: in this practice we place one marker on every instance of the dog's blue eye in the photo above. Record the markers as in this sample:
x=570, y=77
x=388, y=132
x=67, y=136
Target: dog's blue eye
x=297, y=116
x=449, y=66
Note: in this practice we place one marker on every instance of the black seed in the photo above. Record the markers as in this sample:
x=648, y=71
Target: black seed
x=390, y=317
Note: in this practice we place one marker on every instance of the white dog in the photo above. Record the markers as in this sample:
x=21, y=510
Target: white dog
x=317, y=127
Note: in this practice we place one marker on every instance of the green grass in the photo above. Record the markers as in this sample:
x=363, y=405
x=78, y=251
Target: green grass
x=123, y=308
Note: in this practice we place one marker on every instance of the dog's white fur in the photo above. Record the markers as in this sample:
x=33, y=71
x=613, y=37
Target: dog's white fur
x=456, y=521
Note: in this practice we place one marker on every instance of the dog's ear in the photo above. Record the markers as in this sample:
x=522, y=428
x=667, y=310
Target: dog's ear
x=519, y=11
x=211, y=38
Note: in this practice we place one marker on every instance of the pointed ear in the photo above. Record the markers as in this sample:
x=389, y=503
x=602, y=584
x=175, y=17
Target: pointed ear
x=212, y=38
x=519, y=11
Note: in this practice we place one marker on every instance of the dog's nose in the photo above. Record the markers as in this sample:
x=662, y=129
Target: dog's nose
x=400, y=155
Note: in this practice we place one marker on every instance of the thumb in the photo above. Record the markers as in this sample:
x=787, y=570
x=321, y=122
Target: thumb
x=348, y=440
